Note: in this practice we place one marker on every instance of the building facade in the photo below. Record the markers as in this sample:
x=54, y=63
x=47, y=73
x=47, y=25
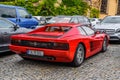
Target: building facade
x=106, y=7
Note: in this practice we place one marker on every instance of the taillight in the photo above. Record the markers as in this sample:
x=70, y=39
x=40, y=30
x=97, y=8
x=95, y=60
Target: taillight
x=61, y=46
x=15, y=42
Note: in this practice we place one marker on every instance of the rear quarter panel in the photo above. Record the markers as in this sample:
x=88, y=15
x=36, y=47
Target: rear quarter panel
x=75, y=41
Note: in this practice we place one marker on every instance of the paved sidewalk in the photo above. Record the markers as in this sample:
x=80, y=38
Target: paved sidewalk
x=103, y=66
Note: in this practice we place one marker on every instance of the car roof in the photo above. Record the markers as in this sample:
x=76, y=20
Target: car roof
x=64, y=24
x=69, y=16
x=10, y=6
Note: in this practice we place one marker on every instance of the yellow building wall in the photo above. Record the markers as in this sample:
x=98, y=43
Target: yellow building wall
x=111, y=7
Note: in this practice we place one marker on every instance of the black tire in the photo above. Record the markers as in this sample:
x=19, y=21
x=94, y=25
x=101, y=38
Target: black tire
x=79, y=56
x=104, y=45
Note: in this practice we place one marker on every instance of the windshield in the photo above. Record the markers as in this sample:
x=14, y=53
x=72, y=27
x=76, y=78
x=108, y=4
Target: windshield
x=59, y=20
x=111, y=20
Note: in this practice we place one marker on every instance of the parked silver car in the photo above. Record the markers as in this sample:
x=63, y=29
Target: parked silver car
x=8, y=28
x=70, y=19
x=110, y=25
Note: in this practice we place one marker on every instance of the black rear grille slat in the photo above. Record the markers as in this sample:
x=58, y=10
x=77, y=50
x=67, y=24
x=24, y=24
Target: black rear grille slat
x=41, y=44
x=35, y=44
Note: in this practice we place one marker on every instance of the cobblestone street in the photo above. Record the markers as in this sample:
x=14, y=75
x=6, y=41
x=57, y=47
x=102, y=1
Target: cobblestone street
x=103, y=66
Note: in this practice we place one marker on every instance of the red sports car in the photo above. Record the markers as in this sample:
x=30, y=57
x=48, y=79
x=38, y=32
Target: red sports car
x=60, y=42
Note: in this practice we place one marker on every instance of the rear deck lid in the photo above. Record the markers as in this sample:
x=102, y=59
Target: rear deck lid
x=47, y=34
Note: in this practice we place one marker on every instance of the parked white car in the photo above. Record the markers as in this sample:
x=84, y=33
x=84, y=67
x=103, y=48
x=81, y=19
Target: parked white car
x=94, y=21
x=41, y=19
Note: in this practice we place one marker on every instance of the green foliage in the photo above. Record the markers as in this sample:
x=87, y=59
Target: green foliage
x=7, y=3
x=94, y=13
x=69, y=7
x=6, y=0
x=48, y=8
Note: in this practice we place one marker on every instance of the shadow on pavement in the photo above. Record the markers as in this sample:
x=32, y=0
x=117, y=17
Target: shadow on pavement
x=4, y=54
x=43, y=63
x=115, y=42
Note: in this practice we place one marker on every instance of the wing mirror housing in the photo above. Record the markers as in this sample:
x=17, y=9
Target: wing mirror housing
x=15, y=27
x=97, y=32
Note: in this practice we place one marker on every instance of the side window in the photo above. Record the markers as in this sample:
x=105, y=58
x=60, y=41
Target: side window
x=74, y=20
x=23, y=13
x=5, y=24
x=88, y=30
x=7, y=12
x=80, y=19
x=82, y=32
x=86, y=19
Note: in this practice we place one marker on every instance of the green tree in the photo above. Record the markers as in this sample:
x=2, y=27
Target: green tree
x=48, y=8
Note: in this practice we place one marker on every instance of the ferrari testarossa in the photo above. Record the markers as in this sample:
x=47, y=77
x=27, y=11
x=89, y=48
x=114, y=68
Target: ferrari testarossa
x=60, y=42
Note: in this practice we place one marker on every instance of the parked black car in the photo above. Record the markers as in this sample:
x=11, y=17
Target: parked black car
x=70, y=19
x=8, y=28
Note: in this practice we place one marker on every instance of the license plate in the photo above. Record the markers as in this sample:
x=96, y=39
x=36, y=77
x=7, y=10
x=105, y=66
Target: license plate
x=35, y=53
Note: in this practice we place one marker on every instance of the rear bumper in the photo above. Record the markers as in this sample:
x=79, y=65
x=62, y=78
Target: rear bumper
x=49, y=55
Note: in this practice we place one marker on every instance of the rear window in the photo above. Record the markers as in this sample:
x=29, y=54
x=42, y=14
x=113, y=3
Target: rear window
x=7, y=12
x=57, y=29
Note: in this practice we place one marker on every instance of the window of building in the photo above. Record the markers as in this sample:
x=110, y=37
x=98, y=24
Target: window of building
x=118, y=10
x=104, y=6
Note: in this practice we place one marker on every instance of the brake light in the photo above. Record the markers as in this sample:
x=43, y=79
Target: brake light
x=15, y=42
x=62, y=46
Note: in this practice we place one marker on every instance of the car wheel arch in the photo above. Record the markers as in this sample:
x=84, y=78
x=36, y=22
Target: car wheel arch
x=75, y=62
x=84, y=47
x=107, y=39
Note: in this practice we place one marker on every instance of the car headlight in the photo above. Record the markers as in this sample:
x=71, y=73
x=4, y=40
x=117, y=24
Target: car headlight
x=118, y=30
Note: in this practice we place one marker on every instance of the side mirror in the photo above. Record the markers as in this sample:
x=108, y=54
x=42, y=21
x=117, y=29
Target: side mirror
x=15, y=27
x=28, y=16
x=97, y=32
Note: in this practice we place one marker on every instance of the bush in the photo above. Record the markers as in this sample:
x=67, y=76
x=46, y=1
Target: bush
x=47, y=7
x=94, y=13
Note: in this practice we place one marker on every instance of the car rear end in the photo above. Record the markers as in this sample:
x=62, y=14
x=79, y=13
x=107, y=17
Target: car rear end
x=49, y=46
x=51, y=50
